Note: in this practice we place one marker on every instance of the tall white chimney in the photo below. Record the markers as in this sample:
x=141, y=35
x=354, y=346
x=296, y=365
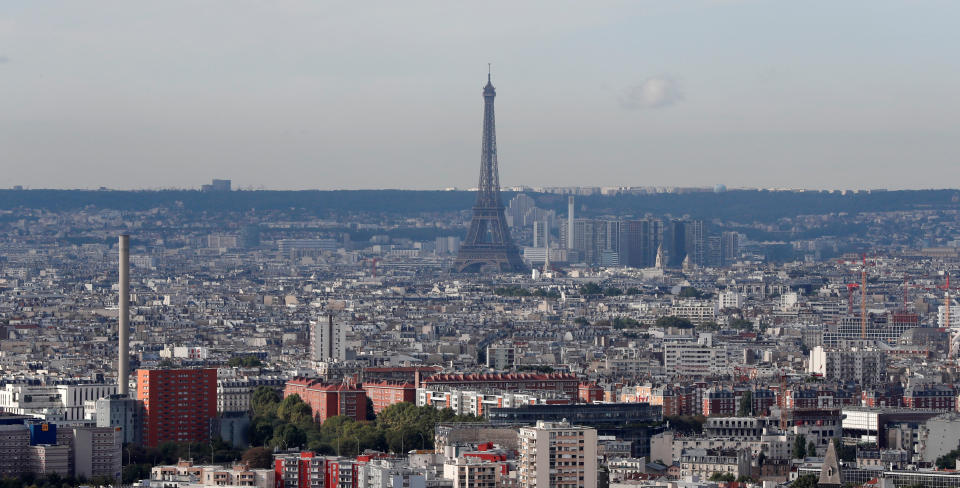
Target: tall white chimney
x=570, y=223
x=546, y=247
x=123, y=359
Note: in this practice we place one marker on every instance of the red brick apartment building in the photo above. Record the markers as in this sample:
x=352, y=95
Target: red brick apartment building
x=328, y=400
x=177, y=404
x=382, y=394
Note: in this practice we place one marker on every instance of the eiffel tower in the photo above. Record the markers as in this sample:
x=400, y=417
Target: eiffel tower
x=488, y=245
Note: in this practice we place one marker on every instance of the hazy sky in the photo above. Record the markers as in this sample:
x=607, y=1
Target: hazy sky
x=322, y=94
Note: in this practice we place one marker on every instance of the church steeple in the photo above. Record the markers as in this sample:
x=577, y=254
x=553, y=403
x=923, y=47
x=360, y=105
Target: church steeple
x=830, y=472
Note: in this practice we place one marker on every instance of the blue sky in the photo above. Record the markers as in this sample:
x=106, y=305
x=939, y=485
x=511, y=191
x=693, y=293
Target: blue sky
x=322, y=94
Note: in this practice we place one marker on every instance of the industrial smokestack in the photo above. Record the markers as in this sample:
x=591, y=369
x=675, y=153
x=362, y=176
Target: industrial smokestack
x=570, y=223
x=123, y=359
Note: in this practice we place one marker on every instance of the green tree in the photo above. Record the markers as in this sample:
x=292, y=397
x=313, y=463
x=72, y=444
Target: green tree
x=690, y=292
x=708, y=326
x=511, y=291
x=292, y=409
x=265, y=401
x=288, y=436
x=745, y=409
x=948, y=460
x=722, y=477
x=612, y=291
x=811, y=449
x=590, y=289
x=742, y=324
x=799, y=447
x=625, y=323
x=244, y=361
x=805, y=481
x=671, y=321
x=686, y=424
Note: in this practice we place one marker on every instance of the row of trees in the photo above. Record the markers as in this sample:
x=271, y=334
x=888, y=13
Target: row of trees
x=137, y=460
x=519, y=291
x=283, y=423
x=610, y=291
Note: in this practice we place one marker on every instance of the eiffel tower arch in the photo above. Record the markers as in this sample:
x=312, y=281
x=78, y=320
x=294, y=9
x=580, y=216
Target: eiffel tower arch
x=488, y=245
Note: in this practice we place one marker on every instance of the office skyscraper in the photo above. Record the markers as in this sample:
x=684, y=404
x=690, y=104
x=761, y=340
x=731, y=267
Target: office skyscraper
x=540, y=231
x=695, y=242
x=730, y=247
x=639, y=240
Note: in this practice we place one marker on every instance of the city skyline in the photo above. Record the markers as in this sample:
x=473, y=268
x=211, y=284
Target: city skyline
x=653, y=94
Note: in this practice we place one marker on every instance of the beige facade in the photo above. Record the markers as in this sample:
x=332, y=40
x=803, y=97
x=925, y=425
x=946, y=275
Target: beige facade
x=557, y=454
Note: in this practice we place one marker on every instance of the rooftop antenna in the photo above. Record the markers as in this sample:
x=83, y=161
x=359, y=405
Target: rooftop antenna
x=488, y=72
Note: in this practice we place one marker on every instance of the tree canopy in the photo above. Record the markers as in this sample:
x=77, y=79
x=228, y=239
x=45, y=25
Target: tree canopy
x=290, y=423
x=671, y=321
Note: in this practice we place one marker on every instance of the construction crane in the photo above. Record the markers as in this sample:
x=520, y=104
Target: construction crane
x=863, y=296
x=906, y=292
x=863, y=299
x=783, y=402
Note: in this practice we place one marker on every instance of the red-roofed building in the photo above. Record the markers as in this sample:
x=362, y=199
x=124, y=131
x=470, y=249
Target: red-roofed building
x=399, y=373
x=385, y=393
x=328, y=400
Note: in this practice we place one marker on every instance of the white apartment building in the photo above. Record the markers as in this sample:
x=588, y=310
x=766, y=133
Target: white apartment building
x=862, y=366
x=557, y=454
x=695, y=311
x=471, y=472
x=729, y=299
x=185, y=472
x=684, y=357
x=52, y=402
x=97, y=451
x=954, y=315
x=705, y=462
x=473, y=402
x=501, y=357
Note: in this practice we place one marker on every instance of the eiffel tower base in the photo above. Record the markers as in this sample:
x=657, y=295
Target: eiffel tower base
x=480, y=258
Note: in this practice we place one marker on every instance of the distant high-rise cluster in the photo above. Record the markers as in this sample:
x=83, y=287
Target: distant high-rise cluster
x=636, y=242
x=217, y=185
x=631, y=242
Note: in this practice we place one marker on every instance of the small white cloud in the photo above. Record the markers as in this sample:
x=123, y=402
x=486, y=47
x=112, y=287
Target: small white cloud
x=655, y=92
